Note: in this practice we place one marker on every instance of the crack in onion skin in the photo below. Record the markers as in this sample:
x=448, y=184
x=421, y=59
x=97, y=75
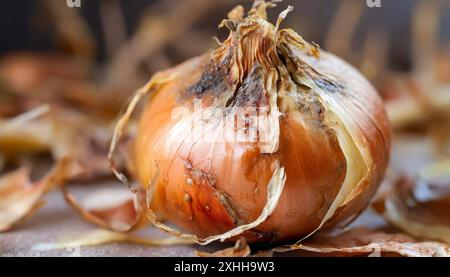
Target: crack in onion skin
x=326, y=126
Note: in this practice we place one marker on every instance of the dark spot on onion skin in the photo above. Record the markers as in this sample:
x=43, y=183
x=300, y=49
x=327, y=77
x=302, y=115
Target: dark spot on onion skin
x=211, y=80
x=328, y=85
x=318, y=109
x=262, y=236
x=341, y=167
x=214, y=79
x=251, y=93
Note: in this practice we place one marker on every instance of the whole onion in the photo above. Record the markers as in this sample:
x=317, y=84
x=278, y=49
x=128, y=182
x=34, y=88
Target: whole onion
x=265, y=136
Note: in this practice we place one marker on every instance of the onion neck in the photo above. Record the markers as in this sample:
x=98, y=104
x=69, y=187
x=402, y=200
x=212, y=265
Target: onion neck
x=252, y=41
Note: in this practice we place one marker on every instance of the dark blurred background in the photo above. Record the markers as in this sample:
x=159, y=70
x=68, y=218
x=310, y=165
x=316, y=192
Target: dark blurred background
x=26, y=25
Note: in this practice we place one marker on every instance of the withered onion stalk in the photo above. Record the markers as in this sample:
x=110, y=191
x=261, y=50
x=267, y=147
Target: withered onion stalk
x=266, y=137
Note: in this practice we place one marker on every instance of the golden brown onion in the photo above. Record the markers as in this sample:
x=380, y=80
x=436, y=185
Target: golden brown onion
x=265, y=135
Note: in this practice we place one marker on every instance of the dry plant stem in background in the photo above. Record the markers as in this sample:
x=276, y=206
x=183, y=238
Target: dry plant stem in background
x=427, y=100
x=72, y=30
x=153, y=34
x=425, y=31
x=113, y=26
x=342, y=28
x=374, y=58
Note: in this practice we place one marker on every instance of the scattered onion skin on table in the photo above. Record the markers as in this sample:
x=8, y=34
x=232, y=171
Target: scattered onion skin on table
x=361, y=241
x=326, y=146
x=419, y=206
x=20, y=197
x=78, y=154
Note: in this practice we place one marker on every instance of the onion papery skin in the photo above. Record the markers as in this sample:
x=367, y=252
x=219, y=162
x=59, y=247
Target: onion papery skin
x=325, y=125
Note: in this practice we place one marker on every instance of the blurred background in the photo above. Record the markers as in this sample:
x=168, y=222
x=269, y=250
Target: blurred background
x=30, y=24
x=150, y=35
x=135, y=37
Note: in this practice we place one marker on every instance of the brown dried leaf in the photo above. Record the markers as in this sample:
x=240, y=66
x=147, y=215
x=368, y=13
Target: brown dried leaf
x=259, y=8
x=240, y=249
x=362, y=241
x=78, y=145
x=114, y=209
x=26, y=132
x=62, y=133
x=85, y=141
x=19, y=197
x=428, y=219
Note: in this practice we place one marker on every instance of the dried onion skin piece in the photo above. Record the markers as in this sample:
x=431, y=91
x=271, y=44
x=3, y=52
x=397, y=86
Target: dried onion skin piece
x=372, y=243
x=240, y=249
x=20, y=197
x=114, y=209
x=425, y=219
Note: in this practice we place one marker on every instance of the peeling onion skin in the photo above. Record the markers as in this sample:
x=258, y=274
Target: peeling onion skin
x=211, y=186
x=366, y=107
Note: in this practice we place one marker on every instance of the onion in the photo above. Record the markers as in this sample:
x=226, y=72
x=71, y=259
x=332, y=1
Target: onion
x=265, y=137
